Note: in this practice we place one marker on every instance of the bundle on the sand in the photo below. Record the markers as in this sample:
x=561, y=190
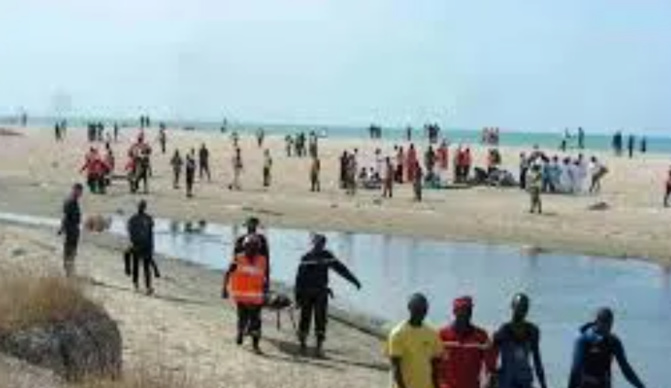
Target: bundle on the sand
x=97, y=223
x=8, y=132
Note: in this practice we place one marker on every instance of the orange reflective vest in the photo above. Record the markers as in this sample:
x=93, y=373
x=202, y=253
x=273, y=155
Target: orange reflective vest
x=246, y=283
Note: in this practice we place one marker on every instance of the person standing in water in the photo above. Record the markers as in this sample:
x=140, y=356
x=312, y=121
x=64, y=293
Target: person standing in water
x=594, y=351
x=204, y=162
x=415, y=349
x=267, y=168
x=312, y=290
x=631, y=142
x=72, y=218
x=517, y=342
x=190, y=172
x=176, y=162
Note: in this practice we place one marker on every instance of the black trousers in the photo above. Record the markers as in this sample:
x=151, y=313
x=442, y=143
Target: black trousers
x=313, y=304
x=149, y=266
x=189, y=184
x=204, y=169
x=314, y=182
x=249, y=320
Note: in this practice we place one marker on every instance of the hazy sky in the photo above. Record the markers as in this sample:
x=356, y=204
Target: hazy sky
x=523, y=64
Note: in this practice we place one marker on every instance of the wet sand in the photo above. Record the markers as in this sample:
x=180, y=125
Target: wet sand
x=36, y=172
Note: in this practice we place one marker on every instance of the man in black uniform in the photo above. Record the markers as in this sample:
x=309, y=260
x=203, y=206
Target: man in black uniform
x=72, y=217
x=141, y=234
x=312, y=291
x=204, y=162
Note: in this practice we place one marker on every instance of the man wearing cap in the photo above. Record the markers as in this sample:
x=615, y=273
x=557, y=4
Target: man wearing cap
x=415, y=349
x=72, y=218
x=312, y=290
x=246, y=280
x=467, y=349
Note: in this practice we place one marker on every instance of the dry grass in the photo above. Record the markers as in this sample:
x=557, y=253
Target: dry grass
x=31, y=301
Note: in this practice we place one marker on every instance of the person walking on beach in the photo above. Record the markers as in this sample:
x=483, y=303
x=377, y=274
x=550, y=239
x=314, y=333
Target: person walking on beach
x=267, y=167
x=162, y=139
x=387, y=178
x=176, y=162
x=400, y=163
x=246, y=281
x=594, y=351
x=236, y=164
x=260, y=135
x=315, y=171
x=70, y=228
x=312, y=290
x=597, y=171
x=644, y=145
x=418, y=179
x=518, y=342
x=288, y=145
x=467, y=351
x=204, y=162
x=190, y=172
x=535, y=185
x=667, y=195
x=141, y=233
x=415, y=349
x=411, y=163
x=524, y=168
x=116, y=132
x=631, y=142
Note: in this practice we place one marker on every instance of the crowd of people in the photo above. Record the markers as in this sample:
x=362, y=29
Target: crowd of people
x=459, y=355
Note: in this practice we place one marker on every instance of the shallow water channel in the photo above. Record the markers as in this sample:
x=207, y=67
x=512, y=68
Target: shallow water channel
x=565, y=289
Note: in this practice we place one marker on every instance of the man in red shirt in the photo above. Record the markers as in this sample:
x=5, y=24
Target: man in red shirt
x=467, y=350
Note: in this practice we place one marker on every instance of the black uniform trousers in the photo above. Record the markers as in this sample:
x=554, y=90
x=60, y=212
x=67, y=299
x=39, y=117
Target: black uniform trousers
x=313, y=303
x=249, y=320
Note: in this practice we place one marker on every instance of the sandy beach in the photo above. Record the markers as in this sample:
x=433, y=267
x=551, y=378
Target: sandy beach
x=186, y=331
x=36, y=173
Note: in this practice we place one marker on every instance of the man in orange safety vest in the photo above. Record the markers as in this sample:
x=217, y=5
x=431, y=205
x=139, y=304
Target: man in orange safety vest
x=246, y=281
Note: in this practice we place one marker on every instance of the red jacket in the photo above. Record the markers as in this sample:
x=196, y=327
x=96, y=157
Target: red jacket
x=464, y=358
x=93, y=165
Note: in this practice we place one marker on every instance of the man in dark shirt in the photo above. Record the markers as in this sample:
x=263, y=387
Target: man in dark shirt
x=204, y=162
x=252, y=225
x=141, y=234
x=190, y=173
x=72, y=217
x=312, y=291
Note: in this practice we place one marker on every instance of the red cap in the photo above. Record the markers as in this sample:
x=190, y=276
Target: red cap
x=462, y=303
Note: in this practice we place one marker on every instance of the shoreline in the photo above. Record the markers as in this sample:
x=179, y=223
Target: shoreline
x=36, y=173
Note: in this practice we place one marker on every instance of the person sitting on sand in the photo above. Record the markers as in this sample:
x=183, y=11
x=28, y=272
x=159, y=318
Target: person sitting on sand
x=415, y=349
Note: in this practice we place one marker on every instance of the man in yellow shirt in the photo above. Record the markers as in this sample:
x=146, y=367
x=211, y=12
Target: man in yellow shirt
x=414, y=349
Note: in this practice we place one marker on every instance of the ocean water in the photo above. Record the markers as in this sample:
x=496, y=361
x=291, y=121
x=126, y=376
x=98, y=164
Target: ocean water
x=658, y=143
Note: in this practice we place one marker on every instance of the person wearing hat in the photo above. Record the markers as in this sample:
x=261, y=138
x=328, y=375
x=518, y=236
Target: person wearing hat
x=312, y=289
x=141, y=233
x=595, y=349
x=415, y=349
x=467, y=349
x=246, y=281
x=70, y=227
x=518, y=342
